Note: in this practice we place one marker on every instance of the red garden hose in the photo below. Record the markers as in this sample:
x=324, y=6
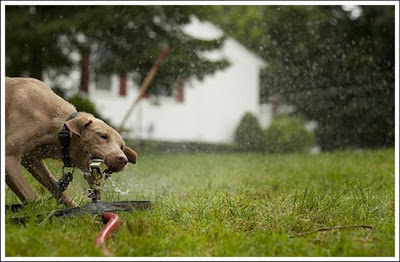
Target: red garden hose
x=112, y=221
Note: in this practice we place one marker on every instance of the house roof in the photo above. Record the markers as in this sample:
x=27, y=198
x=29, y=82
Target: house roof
x=205, y=30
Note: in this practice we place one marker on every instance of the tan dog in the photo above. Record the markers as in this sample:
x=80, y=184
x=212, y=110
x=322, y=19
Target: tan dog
x=34, y=117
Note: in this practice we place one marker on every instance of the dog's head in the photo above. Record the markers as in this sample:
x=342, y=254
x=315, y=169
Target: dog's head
x=92, y=138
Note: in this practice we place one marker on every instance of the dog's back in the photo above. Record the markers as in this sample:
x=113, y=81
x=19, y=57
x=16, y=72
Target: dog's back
x=32, y=96
x=31, y=109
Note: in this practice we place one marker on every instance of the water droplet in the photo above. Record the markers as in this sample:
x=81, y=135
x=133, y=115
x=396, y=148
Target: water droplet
x=131, y=24
x=32, y=10
x=117, y=188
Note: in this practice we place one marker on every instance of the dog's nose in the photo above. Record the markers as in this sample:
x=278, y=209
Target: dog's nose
x=122, y=159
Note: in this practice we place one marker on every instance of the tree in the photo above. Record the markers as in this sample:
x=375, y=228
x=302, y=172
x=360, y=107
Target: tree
x=333, y=67
x=120, y=39
x=31, y=41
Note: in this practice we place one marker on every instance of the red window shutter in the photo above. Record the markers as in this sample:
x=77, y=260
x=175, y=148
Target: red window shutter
x=122, y=85
x=180, y=94
x=85, y=56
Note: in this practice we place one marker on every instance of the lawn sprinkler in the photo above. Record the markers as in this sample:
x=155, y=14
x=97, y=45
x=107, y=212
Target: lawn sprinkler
x=96, y=179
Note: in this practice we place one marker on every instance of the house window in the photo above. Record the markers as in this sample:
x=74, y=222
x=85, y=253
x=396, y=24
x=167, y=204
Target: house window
x=103, y=82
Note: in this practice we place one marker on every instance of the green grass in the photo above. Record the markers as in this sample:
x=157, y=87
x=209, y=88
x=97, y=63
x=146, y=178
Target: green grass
x=228, y=205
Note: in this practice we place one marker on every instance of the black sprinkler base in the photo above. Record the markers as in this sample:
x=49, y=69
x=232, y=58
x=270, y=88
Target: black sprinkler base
x=98, y=207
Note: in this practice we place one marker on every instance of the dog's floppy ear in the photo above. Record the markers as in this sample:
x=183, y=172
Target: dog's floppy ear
x=77, y=125
x=130, y=154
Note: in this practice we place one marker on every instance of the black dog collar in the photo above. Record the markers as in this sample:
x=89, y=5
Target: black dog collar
x=64, y=137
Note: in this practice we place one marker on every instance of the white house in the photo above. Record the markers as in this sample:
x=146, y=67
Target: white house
x=207, y=111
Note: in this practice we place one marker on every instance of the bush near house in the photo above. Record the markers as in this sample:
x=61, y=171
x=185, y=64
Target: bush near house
x=249, y=136
x=83, y=104
x=288, y=134
x=285, y=134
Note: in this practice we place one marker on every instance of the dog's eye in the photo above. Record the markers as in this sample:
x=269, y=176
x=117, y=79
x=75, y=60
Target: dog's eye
x=105, y=137
x=122, y=147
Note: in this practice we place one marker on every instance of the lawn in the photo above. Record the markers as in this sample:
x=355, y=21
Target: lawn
x=236, y=204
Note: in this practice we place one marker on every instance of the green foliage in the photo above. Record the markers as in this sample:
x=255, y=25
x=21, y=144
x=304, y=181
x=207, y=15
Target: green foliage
x=31, y=36
x=83, y=104
x=288, y=134
x=284, y=134
x=249, y=135
x=122, y=39
x=334, y=68
x=226, y=205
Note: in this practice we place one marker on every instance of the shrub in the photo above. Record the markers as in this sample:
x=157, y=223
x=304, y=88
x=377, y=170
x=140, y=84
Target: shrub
x=288, y=134
x=249, y=134
x=83, y=104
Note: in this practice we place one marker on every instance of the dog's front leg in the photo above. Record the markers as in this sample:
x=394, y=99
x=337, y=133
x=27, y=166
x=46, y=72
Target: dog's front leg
x=42, y=174
x=16, y=180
